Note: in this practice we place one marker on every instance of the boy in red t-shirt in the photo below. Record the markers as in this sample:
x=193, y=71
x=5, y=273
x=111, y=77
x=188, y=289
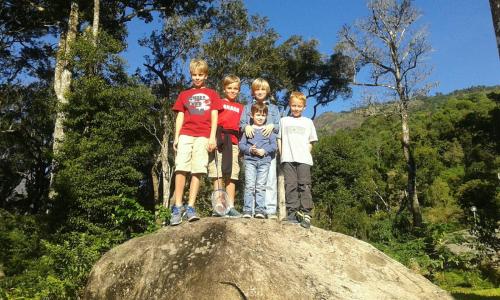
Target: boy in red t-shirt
x=227, y=143
x=195, y=127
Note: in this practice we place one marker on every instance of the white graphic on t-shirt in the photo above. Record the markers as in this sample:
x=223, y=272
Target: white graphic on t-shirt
x=230, y=107
x=198, y=104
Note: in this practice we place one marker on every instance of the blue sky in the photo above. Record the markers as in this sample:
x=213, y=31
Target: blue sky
x=460, y=32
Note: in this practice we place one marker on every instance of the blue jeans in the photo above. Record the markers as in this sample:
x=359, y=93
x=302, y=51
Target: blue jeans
x=271, y=189
x=255, y=186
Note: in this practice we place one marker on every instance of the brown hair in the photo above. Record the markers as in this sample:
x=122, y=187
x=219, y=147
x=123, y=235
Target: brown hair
x=259, y=108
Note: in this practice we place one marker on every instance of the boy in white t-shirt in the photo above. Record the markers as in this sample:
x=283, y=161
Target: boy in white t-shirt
x=295, y=139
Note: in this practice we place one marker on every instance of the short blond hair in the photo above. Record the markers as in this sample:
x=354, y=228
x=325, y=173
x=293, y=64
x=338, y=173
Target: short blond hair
x=229, y=79
x=298, y=96
x=261, y=83
x=200, y=65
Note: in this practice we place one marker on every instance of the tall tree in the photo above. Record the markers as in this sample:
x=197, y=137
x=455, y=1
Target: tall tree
x=385, y=43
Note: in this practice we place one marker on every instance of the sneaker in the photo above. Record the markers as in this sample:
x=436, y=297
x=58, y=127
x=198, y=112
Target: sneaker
x=272, y=216
x=176, y=217
x=292, y=218
x=247, y=215
x=306, y=221
x=191, y=214
x=233, y=213
x=218, y=211
x=260, y=216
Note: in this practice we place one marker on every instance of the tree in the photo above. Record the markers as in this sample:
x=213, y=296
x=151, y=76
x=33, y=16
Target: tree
x=385, y=43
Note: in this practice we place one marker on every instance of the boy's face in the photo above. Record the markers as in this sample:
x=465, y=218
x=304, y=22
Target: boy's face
x=231, y=91
x=259, y=118
x=297, y=107
x=198, y=78
x=260, y=94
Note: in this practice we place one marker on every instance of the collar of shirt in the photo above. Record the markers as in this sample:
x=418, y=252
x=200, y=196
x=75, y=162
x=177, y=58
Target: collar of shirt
x=266, y=102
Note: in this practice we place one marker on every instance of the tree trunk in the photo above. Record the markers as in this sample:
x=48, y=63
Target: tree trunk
x=165, y=166
x=411, y=167
x=495, y=14
x=62, y=81
x=155, y=181
x=95, y=23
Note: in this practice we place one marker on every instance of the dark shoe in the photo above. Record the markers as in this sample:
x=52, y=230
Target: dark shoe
x=260, y=216
x=247, y=215
x=306, y=221
x=176, y=217
x=191, y=214
x=292, y=218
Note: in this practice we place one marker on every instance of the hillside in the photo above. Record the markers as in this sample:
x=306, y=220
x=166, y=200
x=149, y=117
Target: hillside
x=331, y=122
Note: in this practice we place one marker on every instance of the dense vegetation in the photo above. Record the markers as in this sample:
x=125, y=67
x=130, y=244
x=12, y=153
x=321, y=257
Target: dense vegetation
x=457, y=152
x=108, y=170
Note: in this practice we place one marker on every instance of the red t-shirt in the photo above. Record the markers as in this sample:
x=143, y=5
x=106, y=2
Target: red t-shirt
x=229, y=118
x=197, y=105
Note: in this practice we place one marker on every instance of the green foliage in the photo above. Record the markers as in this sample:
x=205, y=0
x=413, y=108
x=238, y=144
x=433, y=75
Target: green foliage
x=106, y=151
x=359, y=183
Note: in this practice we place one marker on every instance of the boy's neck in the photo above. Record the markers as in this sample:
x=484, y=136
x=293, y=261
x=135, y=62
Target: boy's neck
x=258, y=126
x=198, y=87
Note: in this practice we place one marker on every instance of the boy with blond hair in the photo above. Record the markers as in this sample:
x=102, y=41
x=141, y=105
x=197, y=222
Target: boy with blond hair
x=295, y=138
x=195, y=127
x=228, y=134
x=261, y=93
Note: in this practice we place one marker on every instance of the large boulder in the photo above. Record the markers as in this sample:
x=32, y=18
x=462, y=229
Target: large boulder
x=220, y=258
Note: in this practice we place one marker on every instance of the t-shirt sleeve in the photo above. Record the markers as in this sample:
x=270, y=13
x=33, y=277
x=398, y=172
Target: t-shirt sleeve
x=179, y=105
x=216, y=102
x=313, y=137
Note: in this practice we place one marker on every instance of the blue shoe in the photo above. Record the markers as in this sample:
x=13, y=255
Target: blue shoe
x=191, y=214
x=233, y=213
x=176, y=217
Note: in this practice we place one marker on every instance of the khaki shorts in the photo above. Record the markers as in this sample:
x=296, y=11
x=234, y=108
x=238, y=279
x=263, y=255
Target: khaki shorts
x=235, y=171
x=192, y=154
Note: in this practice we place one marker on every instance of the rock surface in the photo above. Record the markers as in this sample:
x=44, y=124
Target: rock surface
x=220, y=258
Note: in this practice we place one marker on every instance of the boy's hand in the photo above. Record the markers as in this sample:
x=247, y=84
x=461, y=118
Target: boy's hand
x=260, y=152
x=176, y=141
x=249, y=131
x=268, y=129
x=212, y=144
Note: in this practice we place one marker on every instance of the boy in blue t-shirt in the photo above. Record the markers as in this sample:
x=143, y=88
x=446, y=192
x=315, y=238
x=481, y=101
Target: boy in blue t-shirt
x=258, y=152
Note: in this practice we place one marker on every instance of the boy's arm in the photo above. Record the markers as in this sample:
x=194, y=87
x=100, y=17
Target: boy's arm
x=245, y=122
x=179, y=120
x=212, y=143
x=272, y=146
x=273, y=121
x=279, y=146
x=244, y=147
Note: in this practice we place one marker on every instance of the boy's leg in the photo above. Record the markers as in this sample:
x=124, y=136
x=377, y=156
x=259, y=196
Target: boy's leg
x=291, y=194
x=182, y=166
x=271, y=189
x=249, y=195
x=199, y=164
x=180, y=182
x=304, y=188
x=260, y=187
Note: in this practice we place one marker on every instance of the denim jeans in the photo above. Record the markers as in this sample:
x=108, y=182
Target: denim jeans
x=255, y=186
x=272, y=189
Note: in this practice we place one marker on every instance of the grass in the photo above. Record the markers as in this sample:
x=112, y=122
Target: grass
x=469, y=294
